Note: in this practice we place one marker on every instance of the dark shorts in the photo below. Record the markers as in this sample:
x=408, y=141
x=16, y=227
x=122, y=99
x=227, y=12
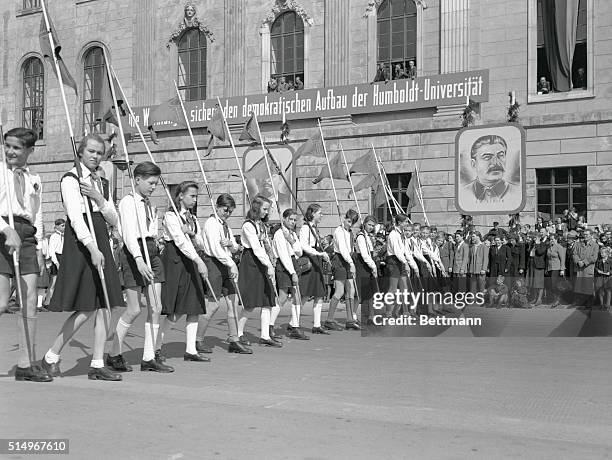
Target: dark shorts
x=395, y=268
x=28, y=260
x=283, y=278
x=219, y=277
x=341, y=269
x=131, y=275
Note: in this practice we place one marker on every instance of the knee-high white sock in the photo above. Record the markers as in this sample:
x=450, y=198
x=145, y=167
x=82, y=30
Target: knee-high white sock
x=40, y=301
x=274, y=314
x=295, y=316
x=265, y=323
x=121, y=331
x=242, y=323
x=316, y=313
x=191, y=330
x=148, y=352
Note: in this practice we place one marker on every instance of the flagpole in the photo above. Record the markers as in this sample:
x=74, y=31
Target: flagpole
x=195, y=149
x=420, y=193
x=229, y=134
x=330, y=172
x=77, y=161
x=145, y=249
x=396, y=205
x=382, y=182
x=348, y=174
x=263, y=146
x=16, y=265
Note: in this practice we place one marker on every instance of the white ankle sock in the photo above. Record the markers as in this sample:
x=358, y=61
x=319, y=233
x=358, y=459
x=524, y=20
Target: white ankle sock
x=97, y=363
x=51, y=357
x=191, y=330
x=316, y=313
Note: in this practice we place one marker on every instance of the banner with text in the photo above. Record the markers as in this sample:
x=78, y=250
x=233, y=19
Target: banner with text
x=394, y=95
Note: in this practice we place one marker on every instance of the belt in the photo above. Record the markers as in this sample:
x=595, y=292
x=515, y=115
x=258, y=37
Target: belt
x=19, y=219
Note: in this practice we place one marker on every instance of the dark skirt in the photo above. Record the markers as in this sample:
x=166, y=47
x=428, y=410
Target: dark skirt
x=218, y=276
x=283, y=278
x=366, y=284
x=254, y=284
x=132, y=278
x=341, y=269
x=183, y=292
x=78, y=286
x=535, y=277
x=602, y=282
x=312, y=283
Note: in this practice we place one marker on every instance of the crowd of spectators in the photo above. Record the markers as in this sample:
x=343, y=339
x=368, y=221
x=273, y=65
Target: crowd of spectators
x=282, y=84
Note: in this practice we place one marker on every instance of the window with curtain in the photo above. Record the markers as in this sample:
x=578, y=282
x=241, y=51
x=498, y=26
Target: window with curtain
x=192, y=65
x=563, y=67
x=559, y=189
x=94, y=69
x=33, y=95
x=396, y=34
x=287, y=50
x=399, y=184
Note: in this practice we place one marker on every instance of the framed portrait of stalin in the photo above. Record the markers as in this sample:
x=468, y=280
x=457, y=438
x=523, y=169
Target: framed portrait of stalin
x=490, y=169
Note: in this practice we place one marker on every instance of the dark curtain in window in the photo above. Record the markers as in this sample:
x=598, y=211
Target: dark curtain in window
x=560, y=19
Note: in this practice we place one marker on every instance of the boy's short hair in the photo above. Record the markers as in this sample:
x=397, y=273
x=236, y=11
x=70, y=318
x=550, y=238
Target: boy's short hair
x=25, y=135
x=59, y=222
x=147, y=169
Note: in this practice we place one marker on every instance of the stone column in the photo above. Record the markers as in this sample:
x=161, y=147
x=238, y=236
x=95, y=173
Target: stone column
x=234, y=46
x=143, y=90
x=337, y=65
x=454, y=43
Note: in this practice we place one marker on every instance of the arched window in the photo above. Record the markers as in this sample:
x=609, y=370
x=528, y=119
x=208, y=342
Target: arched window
x=397, y=36
x=192, y=65
x=94, y=69
x=287, y=49
x=33, y=98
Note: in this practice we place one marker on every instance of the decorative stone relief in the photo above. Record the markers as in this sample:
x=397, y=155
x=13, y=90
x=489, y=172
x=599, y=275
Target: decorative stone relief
x=190, y=21
x=280, y=6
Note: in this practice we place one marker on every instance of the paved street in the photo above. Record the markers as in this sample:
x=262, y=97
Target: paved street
x=338, y=396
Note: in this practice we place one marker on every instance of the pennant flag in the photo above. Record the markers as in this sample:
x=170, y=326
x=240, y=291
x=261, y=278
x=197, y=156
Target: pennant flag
x=210, y=146
x=48, y=52
x=258, y=171
x=216, y=126
x=166, y=114
x=284, y=135
x=312, y=147
x=410, y=192
x=364, y=165
x=337, y=168
x=372, y=181
x=249, y=132
x=107, y=105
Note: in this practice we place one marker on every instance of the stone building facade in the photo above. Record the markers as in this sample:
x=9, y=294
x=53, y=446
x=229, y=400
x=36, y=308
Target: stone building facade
x=564, y=130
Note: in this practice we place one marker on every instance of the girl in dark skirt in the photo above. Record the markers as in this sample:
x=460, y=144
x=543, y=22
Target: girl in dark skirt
x=288, y=248
x=312, y=283
x=257, y=274
x=366, y=272
x=183, y=292
x=396, y=263
x=78, y=288
x=344, y=273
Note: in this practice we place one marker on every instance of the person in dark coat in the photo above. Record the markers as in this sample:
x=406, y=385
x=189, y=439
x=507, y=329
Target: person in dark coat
x=499, y=259
x=537, y=267
x=516, y=266
x=555, y=267
x=584, y=255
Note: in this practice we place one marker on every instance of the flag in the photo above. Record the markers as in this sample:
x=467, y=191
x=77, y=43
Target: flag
x=372, y=181
x=250, y=132
x=258, y=171
x=284, y=128
x=312, y=147
x=216, y=127
x=48, y=52
x=210, y=145
x=107, y=105
x=337, y=168
x=364, y=165
x=166, y=114
x=411, y=192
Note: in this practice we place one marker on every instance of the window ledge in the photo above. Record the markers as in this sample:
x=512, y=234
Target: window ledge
x=556, y=97
x=78, y=2
x=28, y=12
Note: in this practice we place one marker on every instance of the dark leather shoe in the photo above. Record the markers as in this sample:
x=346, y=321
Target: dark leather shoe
x=244, y=341
x=52, y=369
x=202, y=348
x=102, y=373
x=319, y=330
x=117, y=364
x=160, y=357
x=332, y=326
x=274, y=335
x=197, y=357
x=155, y=366
x=237, y=347
x=352, y=325
x=270, y=343
x=297, y=334
x=32, y=374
